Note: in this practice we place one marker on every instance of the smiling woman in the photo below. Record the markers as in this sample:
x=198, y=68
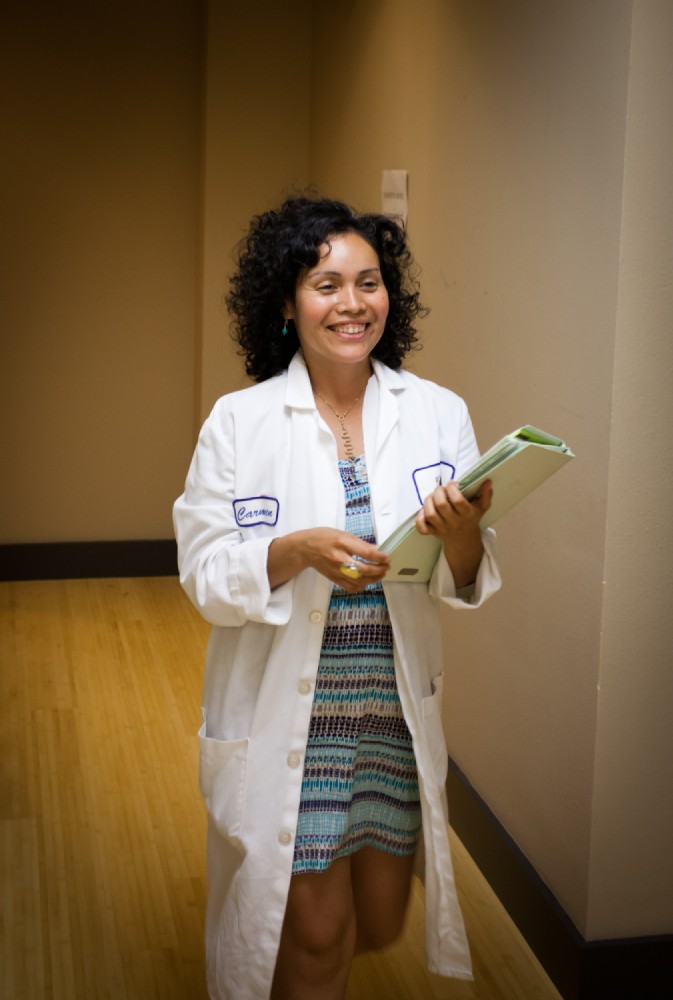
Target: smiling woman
x=287, y=243
x=339, y=310
x=322, y=741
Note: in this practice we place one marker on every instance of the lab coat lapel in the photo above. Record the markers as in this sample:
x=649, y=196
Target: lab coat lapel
x=381, y=419
x=314, y=456
x=389, y=385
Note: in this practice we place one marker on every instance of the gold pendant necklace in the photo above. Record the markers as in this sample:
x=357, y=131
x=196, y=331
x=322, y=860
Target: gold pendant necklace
x=341, y=417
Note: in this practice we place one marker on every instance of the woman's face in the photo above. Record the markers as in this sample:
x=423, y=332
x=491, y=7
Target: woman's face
x=341, y=304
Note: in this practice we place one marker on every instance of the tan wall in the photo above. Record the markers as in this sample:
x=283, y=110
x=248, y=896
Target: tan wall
x=511, y=119
x=631, y=872
x=100, y=187
x=142, y=140
x=256, y=150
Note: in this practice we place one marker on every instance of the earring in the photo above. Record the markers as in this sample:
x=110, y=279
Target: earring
x=284, y=330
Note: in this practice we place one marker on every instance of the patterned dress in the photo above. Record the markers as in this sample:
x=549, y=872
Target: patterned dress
x=360, y=784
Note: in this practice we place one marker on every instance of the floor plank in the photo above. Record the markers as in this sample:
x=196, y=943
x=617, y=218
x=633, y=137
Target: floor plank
x=102, y=829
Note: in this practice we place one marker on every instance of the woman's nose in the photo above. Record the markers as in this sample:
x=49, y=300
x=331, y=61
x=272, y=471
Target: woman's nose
x=350, y=299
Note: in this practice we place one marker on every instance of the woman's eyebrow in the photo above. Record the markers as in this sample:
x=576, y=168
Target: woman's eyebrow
x=338, y=274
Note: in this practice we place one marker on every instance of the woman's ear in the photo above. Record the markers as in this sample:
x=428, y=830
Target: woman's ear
x=289, y=311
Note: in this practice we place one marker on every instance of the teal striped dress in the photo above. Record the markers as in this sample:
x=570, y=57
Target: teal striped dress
x=360, y=784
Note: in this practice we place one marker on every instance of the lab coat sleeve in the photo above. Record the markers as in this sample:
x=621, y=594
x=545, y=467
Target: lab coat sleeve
x=442, y=585
x=488, y=581
x=224, y=576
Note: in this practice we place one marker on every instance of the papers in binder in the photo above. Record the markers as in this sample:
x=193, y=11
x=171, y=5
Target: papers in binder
x=516, y=465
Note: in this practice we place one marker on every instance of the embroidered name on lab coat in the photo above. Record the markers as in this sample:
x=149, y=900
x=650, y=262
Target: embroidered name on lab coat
x=251, y=511
x=429, y=477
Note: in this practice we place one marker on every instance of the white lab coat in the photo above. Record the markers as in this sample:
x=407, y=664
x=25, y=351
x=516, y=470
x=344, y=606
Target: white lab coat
x=265, y=465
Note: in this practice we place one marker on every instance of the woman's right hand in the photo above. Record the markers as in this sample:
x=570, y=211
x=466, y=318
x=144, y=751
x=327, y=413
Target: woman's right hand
x=326, y=550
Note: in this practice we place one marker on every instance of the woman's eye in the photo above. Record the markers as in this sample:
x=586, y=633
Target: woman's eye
x=370, y=285
x=326, y=287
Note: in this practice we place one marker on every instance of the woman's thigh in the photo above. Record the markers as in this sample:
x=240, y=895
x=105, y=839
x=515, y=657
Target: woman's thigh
x=381, y=884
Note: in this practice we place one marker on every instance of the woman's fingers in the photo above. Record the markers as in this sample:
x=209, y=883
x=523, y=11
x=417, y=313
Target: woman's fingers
x=446, y=510
x=346, y=559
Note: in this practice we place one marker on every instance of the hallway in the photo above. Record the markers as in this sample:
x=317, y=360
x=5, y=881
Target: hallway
x=102, y=824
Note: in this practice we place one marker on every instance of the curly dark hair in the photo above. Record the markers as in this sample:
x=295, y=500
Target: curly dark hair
x=279, y=246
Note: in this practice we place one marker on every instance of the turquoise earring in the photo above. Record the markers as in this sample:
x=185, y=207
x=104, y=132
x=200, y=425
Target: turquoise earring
x=284, y=330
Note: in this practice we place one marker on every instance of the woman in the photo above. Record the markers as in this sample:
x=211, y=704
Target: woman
x=322, y=755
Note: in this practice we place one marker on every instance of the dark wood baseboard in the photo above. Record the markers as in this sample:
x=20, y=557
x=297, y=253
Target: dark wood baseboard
x=627, y=969
x=82, y=560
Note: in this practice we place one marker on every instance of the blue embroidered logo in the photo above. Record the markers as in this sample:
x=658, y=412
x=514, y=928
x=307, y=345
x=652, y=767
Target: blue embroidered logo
x=429, y=477
x=251, y=511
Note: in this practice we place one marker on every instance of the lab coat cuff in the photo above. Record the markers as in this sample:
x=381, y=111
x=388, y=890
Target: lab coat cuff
x=443, y=587
x=250, y=588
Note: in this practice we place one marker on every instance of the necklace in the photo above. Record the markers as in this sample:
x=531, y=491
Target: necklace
x=341, y=417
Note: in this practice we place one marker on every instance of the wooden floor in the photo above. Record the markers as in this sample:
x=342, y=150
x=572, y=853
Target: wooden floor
x=101, y=823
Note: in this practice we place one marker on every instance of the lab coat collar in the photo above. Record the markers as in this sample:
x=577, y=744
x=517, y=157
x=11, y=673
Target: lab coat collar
x=299, y=393
x=387, y=378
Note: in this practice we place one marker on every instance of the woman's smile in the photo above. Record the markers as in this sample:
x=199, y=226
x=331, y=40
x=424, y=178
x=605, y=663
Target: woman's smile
x=349, y=329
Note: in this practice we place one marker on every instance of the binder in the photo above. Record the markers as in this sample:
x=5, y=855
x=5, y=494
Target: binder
x=516, y=465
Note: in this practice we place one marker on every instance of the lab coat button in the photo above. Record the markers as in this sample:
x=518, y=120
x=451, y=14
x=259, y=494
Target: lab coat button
x=284, y=837
x=293, y=759
x=315, y=617
x=304, y=687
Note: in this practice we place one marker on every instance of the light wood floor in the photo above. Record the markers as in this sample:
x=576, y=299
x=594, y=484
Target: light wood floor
x=101, y=822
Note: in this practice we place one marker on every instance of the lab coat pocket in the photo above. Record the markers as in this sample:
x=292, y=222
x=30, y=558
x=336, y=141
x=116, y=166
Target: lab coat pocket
x=222, y=775
x=434, y=731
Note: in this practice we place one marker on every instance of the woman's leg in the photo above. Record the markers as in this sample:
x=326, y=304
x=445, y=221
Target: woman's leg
x=358, y=904
x=318, y=936
x=381, y=887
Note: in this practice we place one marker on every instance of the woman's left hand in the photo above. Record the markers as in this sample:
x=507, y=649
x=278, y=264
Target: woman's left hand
x=447, y=514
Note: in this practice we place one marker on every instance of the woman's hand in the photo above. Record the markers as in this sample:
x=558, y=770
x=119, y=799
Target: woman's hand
x=326, y=550
x=447, y=514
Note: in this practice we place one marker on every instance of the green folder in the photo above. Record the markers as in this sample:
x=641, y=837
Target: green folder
x=516, y=465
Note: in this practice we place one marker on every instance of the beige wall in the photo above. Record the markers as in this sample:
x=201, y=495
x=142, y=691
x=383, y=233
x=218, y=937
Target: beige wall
x=512, y=121
x=256, y=148
x=631, y=871
x=100, y=184
x=538, y=142
x=143, y=137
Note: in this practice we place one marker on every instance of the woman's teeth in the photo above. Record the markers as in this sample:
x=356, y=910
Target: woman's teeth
x=351, y=328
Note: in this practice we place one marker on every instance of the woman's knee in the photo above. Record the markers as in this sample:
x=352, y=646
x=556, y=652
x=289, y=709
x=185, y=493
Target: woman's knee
x=316, y=951
x=320, y=917
x=323, y=934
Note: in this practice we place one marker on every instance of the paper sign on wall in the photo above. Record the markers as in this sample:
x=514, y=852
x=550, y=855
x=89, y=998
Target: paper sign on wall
x=394, y=186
